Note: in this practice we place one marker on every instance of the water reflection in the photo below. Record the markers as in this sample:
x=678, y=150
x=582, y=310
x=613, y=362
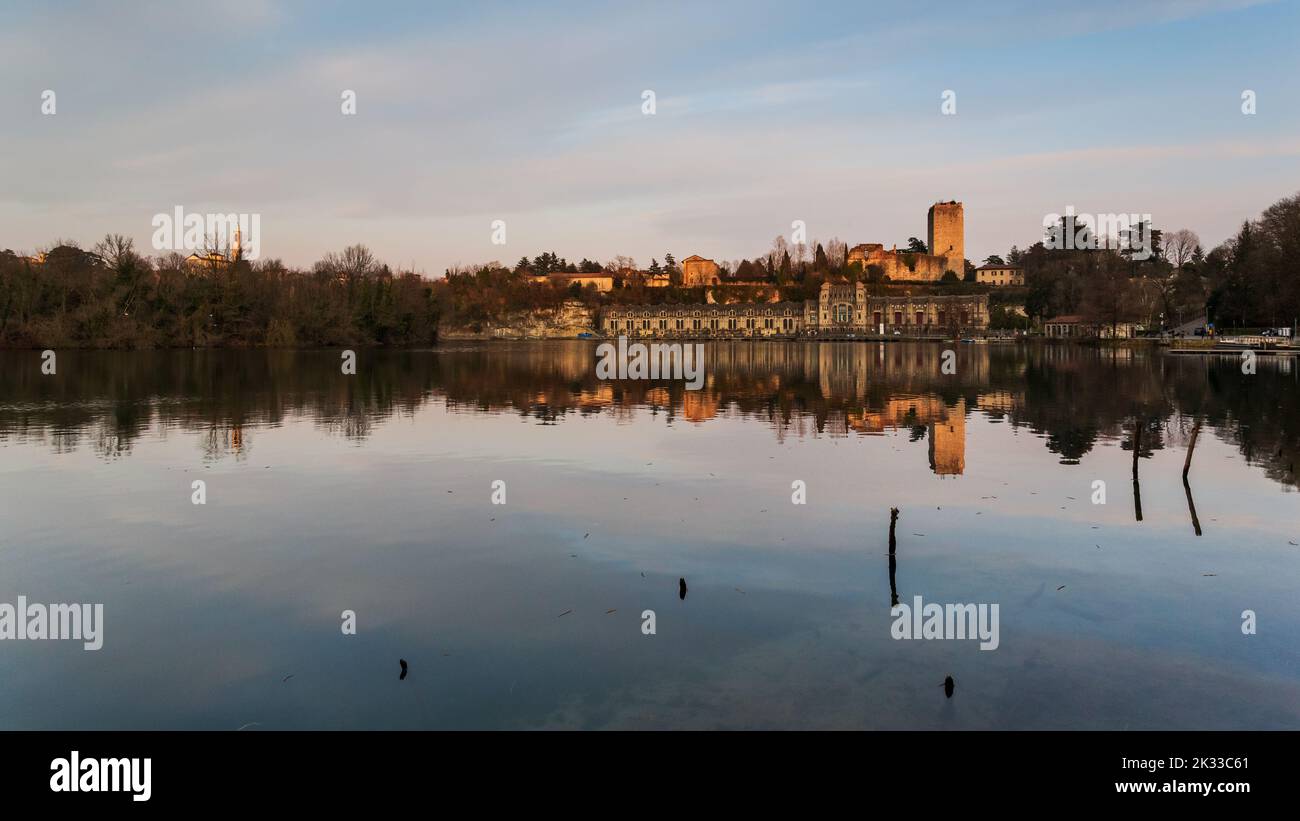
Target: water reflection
x=372, y=493
x=1074, y=397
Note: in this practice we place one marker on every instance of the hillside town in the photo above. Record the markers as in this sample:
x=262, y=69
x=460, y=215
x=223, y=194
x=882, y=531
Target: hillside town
x=112, y=296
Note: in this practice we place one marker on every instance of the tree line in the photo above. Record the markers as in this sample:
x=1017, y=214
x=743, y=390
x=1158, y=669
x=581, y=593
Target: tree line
x=113, y=297
x=1250, y=280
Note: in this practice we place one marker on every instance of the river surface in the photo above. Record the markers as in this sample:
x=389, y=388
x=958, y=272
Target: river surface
x=374, y=493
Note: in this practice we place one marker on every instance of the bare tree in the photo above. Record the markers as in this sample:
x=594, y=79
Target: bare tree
x=355, y=262
x=779, y=249
x=1180, y=246
x=116, y=251
x=836, y=251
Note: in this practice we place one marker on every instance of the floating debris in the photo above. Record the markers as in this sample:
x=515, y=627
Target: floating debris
x=741, y=592
x=286, y=678
x=948, y=686
x=615, y=610
x=565, y=613
x=402, y=662
x=250, y=724
x=1209, y=574
x=1062, y=587
x=681, y=589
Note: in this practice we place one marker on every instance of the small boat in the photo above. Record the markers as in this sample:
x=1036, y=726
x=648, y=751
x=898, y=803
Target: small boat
x=586, y=335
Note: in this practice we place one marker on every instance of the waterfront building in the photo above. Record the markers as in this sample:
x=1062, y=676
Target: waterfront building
x=842, y=309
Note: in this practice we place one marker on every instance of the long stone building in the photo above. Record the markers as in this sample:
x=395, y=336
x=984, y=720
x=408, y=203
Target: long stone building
x=841, y=310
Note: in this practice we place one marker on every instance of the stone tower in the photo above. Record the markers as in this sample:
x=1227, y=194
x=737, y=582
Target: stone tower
x=947, y=235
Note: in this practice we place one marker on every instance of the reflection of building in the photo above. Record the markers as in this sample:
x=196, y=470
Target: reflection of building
x=945, y=427
x=999, y=402
x=697, y=270
x=899, y=412
x=841, y=309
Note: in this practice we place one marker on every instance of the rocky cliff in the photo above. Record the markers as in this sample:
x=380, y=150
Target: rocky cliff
x=565, y=322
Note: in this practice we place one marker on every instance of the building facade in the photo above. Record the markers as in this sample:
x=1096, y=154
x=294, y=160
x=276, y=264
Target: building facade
x=1073, y=326
x=696, y=271
x=603, y=281
x=841, y=310
x=1000, y=276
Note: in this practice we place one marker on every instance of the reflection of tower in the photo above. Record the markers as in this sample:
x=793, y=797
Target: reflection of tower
x=235, y=248
x=699, y=406
x=948, y=442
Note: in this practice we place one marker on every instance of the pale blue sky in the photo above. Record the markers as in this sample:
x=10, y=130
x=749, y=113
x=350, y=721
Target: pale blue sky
x=767, y=113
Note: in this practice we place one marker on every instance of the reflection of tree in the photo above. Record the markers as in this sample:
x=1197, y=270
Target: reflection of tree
x=1072, y=444
x=1072, y=396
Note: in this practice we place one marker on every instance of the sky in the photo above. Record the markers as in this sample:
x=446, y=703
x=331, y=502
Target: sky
x=765, y=113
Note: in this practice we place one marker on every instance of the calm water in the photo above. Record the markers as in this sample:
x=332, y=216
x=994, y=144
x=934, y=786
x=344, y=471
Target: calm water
x=372, y=493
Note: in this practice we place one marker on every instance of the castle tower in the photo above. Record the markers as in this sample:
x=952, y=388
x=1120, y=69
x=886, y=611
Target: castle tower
x=947, y=235
x=234, y=248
